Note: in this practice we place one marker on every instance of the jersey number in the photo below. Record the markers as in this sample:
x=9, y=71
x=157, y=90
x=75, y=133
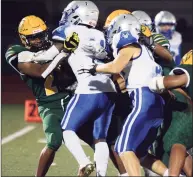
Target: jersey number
x=50, y=88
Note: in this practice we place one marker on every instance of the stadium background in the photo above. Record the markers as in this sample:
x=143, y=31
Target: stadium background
x=19, y=157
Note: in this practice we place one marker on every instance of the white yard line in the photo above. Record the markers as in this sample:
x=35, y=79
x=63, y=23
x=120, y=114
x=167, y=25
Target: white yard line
x=17, y=134
x=44, y=141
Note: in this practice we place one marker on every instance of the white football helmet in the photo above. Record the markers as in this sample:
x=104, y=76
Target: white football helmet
x=143, y=17
x=80, y=12
x=165, y=18
x=124, y=22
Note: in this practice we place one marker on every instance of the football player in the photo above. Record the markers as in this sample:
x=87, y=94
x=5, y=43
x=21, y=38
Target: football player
x=51, y=94
x=177, y=138
x=165, y=23
x=93, y=97
x=121, y=111
x=133, y=144
x=156, y=41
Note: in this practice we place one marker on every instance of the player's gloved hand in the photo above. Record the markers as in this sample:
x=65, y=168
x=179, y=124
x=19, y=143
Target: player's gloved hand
x=147, y=41
x=90, y=69
x=156, y=84
x=146, y=31
x=71, y=42
x=95, y=49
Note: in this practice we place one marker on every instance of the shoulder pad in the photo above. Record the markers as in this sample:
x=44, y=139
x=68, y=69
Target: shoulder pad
x=13, y=52
x=123, y=38
x=59, y=33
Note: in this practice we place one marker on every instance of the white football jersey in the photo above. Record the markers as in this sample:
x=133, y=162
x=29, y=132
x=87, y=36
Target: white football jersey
x=88, y=84
x=175, y=46
x=139, y=71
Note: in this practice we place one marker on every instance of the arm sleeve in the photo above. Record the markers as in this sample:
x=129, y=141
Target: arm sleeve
x=53, y=64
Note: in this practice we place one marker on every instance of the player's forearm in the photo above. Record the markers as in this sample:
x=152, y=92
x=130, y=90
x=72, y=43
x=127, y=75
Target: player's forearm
x=32, y=69
x=108, y=68
x=175, y=81
x=161, y=83
x=54, y=64
x=163, y=53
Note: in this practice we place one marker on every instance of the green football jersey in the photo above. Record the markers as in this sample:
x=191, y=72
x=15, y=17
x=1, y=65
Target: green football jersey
x=54, y=87
x=189, y=69
x=163, y=41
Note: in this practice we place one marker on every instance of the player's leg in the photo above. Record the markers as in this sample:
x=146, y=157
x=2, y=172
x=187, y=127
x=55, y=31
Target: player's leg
x=177, y=140
x=117, y=161
x=76, y=115
x=120, y=113
x=52, y=129
x=139, y=130
x=188, y=165
x=80, y=110
x=177, y=159
x=155, y=165
x=106, y=103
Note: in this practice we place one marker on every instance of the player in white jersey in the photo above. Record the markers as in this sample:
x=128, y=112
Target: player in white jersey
x=94, y=95
x=165, y=23
x=137, y=65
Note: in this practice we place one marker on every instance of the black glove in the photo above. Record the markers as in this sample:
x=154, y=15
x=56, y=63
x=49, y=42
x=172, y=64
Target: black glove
x=147, y=41
x=91, y=70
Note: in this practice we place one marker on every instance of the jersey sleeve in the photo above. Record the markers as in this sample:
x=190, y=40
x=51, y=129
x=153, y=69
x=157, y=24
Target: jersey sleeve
x=25, y=56
x=59, y=33
x=123, y=39
x=13, y=51
x=161, y=40
x=11, y=55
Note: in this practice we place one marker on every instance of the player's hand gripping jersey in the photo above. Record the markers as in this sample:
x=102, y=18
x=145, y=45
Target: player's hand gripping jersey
x=140, y=70
x=84, y=58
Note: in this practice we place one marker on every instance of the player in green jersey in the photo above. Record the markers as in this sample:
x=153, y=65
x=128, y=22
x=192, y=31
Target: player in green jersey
x=177, y=136
x=53, y=92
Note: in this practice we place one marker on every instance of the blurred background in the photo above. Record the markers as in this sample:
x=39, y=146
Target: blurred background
x=16, y=154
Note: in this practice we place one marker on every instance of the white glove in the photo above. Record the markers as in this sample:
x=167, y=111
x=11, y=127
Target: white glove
x=96, y=49
x=156, y=84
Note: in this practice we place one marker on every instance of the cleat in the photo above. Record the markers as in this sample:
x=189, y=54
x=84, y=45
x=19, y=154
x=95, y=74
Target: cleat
x=87, y=170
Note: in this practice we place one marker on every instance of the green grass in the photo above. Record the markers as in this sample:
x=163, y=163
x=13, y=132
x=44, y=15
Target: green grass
x=20, y=156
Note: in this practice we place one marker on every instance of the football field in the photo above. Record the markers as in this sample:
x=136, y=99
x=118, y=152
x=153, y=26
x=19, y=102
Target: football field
x=22, y=143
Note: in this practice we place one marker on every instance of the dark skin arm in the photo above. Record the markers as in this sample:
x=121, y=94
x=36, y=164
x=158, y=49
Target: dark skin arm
x=163, y=53
x=32, y=69
x=36, y=69
x=175, y=81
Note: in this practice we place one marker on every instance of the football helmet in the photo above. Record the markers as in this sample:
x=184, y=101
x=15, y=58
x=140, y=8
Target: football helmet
x=114, y=14
x=33, y=32
x=165, y=23
x=143, y=18
x=187, y=58
x=80, y=12
x=124, y=22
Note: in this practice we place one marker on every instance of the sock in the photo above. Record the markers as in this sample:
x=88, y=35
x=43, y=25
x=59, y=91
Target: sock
x=166, y=173
x=72, y=142
x=101, y=157
x=124, y=174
